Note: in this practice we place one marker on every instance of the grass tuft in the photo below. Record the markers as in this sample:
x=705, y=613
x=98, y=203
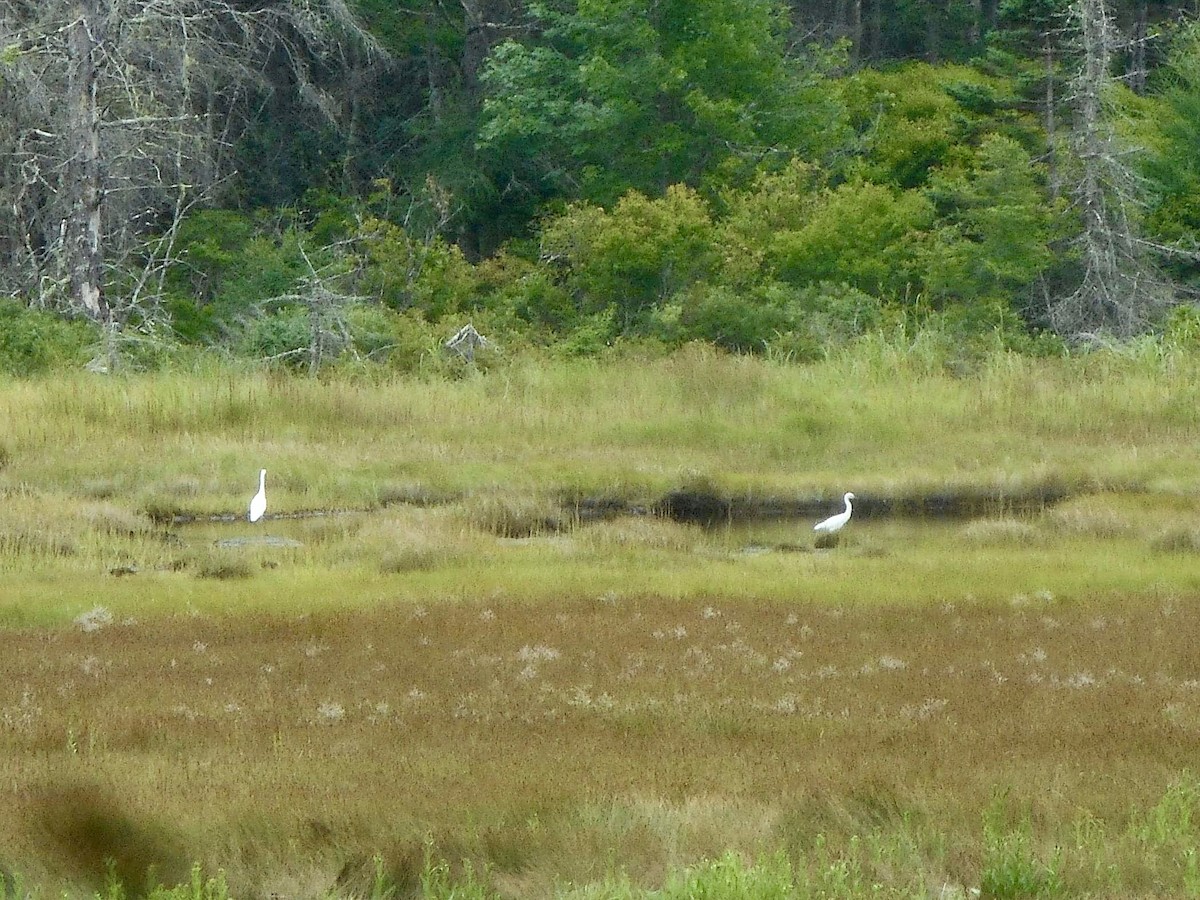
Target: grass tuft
x=162, y=510
x=1179, y=539
x=1095, y=516
x=1011, y=868
x=416, y=541
x=1000, y=532
x=640, y=532
x=36, y=543
x=221, y=564
x=410, y=493
x=511, y=515
x=111, y=519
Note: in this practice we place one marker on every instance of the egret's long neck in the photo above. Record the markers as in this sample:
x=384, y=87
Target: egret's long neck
x=262, y=480
x=847, y=504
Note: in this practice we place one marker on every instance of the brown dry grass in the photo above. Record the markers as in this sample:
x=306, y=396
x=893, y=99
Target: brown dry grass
x=547, y=739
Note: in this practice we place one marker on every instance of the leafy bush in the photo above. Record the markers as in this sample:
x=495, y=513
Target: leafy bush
x=527, y=292
x=859, y=233
x=917, y=118
x=793, y=323
x=733, y=320
x=403, y=272
x=32, y=341
x=277, y=335
x=211, y=244
x=228, y=266
x=633, y=258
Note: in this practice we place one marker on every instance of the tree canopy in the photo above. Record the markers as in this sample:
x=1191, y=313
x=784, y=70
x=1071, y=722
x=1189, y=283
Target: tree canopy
x=760, y=174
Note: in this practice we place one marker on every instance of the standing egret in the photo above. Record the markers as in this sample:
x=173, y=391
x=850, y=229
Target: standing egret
x=835, y=523
x=258, y=503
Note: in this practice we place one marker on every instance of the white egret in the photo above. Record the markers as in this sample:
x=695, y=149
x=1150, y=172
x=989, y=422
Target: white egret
x=258, y=504
x=835, y=523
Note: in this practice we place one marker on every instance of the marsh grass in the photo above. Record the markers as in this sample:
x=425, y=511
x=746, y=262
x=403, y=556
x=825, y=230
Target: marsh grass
x=1177, y=539
x=215, y=562
x=1000, y=532
x=416, y=540
x=508, y=514
x=39, y=529
x=493, y=694
x=634, y=430
x=1095, y=516
x=645, y=532
x=671, y=742
x=63, y=557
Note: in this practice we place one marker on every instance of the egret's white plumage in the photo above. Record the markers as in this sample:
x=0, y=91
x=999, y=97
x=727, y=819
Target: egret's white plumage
x=258, y=503
x=835, y=523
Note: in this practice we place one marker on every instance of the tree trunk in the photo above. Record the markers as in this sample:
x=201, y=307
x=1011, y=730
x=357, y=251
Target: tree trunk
x=1137, y=62
x=933, y=31
x=877, y=29
x=1051, y=124
x=84, y=244
x=856, y=30
x=1119, y=292
x=975, y=26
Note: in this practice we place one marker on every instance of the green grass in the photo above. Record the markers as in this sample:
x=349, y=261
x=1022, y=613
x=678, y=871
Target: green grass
x=625, y=429
x=59, y=565
x=903, y=860
x=463, y=686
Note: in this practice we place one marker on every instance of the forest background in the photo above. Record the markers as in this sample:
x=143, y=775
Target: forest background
x=322, y=183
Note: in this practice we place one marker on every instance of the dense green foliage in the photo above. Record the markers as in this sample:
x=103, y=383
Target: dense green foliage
x=575, y=173
x=33, y=341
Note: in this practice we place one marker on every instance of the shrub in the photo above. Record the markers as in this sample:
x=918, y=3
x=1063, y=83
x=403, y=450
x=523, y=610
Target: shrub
x=33, y=341
x=732, y=320
x=228, y=266
x=404, y=273
x=281, y=336
x=211, y=244
x=863, y=234
x=634, y=257
x=527, y=292
x=777, y=318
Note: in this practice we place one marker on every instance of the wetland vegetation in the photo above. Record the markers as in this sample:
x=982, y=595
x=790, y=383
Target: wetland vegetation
x=539, y=613
x=488, y=661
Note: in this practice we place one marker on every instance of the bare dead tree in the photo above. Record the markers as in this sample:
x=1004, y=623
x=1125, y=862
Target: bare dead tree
x=84, y=255
x=326, y=306
x=1120, y=290
x=156, y=93
x=466, y=341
